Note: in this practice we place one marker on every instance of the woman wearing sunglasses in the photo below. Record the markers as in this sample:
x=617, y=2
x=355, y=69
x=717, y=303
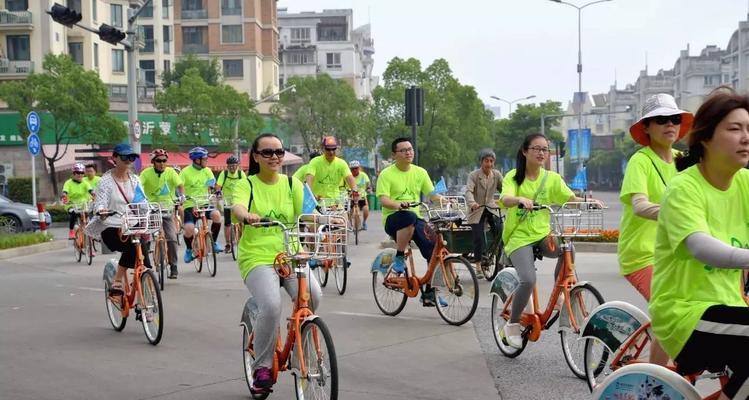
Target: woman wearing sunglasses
x=648, y=172
x=116, y=189
x=267, y=194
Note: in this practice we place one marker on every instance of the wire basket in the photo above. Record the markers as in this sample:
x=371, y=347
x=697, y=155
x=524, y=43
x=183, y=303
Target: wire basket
x=577, y=219
x=80, y=207
x=447, y=212
x=167, y=208
x=204, y=203
x=334, y=205
x=454, y=202
x=324, y=237
x=142, y=218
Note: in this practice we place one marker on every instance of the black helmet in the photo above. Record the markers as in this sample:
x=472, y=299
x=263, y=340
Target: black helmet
x=232, y=160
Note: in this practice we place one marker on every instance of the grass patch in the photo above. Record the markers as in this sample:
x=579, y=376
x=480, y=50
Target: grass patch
x=12, y=240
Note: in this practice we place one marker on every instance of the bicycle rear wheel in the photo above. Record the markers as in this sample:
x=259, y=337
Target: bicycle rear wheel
x=248, y=360
x=321, y=366
x=496, y=262
x=499, y=320
x=322, y=275
x=152, y=312
x=456, y=290
x=583, y=300
x=114, y=310
x=210, y=255
x=89, y=249
x=597, y=359
x=389, y=301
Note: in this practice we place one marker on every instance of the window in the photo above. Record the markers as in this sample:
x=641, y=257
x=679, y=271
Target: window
x=300, y=35
x=333, y=60
x=118, y=60
x=94, y=12
x=147, y=35
x=331, y=33
x=193, y=35
x=74, y=5
x=75, y=49
x=96, y=55
x=300, y=58
x=167, y=38
x=167, y=65
x=165, y=9
x=17, y=5
x=231, y=7
x=116, y=11
x=18, y=48
x=148, y=72
x=233, y=68
x=117, y=91
x=147, y=11
x=192, y=5
x=231, y=34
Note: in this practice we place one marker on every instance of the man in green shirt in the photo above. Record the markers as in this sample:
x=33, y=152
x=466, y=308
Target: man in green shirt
x=91, y=177
x=301, y=173
x=199, y=182
x=398, y=185
x=326, y=174
x=161, y=184
x=363, y=186
x=225, y=186
x=75, y=193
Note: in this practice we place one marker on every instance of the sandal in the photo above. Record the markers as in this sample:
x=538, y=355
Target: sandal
x=116, y=289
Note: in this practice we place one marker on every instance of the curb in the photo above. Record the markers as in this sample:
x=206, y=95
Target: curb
x=33, y=249
x=582, y=247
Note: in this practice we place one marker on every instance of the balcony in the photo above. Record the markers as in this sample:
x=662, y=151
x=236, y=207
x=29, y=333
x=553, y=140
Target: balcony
x=195, y=48
x=231, y=11
x=14, y=69
x=195, y=14
x=148, y=45
x=15, y=19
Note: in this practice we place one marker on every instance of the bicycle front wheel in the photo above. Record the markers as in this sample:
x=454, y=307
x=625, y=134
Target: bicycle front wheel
x=320, y=378
x=597, y=359
x=78, y=245
x=499, y=320
x=114, y=310
x=197, y=252
x=340, y=271
x=89, y=249
x=233, y=241
x=159, y=257
x=210, y=255
x=583, y=300
x=152, y=311
x=456, y=290
x=322, y=275
x=389, y=301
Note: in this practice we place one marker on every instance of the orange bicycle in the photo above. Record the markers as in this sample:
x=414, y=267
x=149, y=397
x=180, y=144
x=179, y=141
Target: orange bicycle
x=308, y=351
x=353, y=215
x=450, y=278
x=160, y=249
x=235, y=233
x=178, y=225
x=142, y=294
x=82, y=243
x=202, y=244
x=334, y=238
x=579, y=298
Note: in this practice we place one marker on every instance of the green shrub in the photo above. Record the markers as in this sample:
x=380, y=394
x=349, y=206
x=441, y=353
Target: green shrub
x=19, y=189
x=57, y=212
x=11, y=240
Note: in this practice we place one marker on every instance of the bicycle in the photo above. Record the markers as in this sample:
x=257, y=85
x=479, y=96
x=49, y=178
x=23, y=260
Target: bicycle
x=81, y=241
x=235, y=232
x=353, y=215
x=450, y=276
x=178, y=225
x=494, y=258
x=584, y=219
x=202, y=244
x=335, y=239
x=160, y=249
x=617, y=337
x=142, y=294
x=308, y=351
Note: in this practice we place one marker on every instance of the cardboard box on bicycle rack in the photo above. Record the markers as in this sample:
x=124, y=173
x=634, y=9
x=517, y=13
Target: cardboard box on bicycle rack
x=460, y=239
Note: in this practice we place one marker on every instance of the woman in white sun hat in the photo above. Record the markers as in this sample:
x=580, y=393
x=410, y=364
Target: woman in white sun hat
x=648, y=172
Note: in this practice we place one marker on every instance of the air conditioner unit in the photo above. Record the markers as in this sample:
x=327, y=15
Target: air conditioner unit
x=297, y=149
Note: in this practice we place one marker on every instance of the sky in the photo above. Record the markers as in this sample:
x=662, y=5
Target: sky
x=517, y=48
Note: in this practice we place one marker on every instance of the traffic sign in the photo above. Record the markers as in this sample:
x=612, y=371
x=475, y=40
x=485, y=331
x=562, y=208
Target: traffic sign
x=136, y=130
x=33, y=123
x=34, y=144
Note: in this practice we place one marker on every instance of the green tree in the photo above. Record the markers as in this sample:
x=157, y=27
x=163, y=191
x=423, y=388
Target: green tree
x=321, y=106
x=73, y=105
x=456, y=124
x=209, y=70
x=510, y=133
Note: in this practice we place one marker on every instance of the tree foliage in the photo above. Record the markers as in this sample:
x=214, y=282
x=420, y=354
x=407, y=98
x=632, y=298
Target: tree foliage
x=456, y=124
x=209, y=70
x=73, y=104
x=510, y=133
x=321, y=106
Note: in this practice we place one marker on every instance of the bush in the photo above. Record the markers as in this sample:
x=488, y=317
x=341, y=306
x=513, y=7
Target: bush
x=57, y=212
x=19, y=189
x=607, y=236
x=11, y=240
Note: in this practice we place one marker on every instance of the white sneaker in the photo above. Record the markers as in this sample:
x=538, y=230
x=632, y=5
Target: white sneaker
x=511, y=335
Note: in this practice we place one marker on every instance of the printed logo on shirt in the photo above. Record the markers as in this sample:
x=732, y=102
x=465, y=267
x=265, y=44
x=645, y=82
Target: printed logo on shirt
x=328, y=180
x=407, y=194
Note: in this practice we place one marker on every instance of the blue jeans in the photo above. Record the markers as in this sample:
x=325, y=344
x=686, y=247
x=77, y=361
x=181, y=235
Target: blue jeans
x=404, y=219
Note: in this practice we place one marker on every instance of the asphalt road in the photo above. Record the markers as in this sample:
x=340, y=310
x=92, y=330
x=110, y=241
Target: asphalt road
x=56, y=341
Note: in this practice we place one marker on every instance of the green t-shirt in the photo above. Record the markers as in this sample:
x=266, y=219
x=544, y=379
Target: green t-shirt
x=637, y=236
x=328, y=175
x=259, y=246
x=196, y=182
x=301, y=173
x=362, y=181
x=403, y=186
x=683, y=288
x=78, y=192
x=228, y=182
x=93, y=182
x=160, y=188
x=521, y=231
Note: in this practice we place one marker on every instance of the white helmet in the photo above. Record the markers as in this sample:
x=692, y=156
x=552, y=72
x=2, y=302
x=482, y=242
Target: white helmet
x=354, y=164
x=78, y=167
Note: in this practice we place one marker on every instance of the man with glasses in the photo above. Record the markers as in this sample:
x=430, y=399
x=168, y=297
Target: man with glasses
x=161, y=184
x=398, y=185
x=75, y=191
x=198, y=182
x=326, y=174
x=225, y=185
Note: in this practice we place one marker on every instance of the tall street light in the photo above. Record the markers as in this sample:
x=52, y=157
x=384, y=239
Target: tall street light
x=510, y=103
x=579, y=70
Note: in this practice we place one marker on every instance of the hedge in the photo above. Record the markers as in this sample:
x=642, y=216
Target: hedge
x=57, y=212
x=11, y=240
x=607, y=236
x=19, y=189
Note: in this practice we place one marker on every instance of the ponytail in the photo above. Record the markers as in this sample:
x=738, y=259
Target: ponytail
x=691, y=157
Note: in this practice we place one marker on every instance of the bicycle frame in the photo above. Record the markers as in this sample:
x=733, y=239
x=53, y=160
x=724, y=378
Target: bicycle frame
x=200, y=235
x=129, y=297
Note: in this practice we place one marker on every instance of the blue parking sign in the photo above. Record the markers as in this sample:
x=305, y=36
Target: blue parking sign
x=33, y=123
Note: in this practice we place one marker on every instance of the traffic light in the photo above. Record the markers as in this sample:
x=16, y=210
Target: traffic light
x=110, y=34
x=64, y=15
x=562, y=151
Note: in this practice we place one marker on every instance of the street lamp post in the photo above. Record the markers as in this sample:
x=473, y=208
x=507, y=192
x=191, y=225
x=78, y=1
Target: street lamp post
x=510, y=103
x=263, y=100
x=579, y=69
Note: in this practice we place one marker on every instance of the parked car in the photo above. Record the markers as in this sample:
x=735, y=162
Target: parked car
x=19, y=217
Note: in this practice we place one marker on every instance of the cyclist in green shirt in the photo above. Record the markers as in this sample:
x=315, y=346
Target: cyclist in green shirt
x=91, y=177
x=326, y=174
x=225, y=184
x=75, y=191
x=199, y=182
x=301, y=173
x=161, y=184
x=363, y=186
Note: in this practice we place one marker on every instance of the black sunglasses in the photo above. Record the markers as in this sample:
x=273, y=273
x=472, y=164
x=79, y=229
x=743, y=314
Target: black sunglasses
x=268, y=153
x=663, y=119
x=129, y=157
x=160, y=160
x=77, y=173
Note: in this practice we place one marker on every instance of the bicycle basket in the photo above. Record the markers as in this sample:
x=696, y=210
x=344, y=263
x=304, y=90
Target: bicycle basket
x=577, y=219
x=454, y=202
x=141, y=218
x=458, y=240
x=324, y=237
x=334, y=205
x=204, y=203
x=80, y=208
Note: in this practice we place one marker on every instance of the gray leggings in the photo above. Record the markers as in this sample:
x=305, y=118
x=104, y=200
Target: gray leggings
x=263, y=284
x=524, y=263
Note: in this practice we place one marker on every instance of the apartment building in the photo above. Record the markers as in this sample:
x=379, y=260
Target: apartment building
x=241, y=34
x=696, y=76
